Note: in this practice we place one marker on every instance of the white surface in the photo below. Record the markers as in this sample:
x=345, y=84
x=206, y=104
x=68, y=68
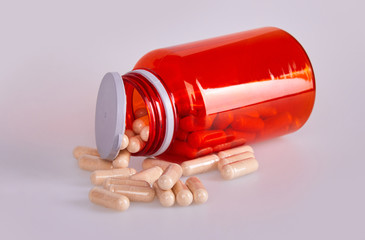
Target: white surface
x=52, y=57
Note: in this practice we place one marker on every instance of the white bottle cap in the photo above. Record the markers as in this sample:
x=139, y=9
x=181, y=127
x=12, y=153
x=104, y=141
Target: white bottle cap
x=110, y=115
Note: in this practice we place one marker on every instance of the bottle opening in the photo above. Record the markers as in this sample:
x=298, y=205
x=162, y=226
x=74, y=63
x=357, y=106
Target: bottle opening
x=149, y=104
x=141, y=111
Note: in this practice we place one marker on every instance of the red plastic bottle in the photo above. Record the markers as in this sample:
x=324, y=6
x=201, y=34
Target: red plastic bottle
x=210, y=95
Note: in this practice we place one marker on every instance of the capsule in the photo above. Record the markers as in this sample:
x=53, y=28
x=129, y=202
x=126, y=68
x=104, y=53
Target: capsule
x=223, y=120
x=267, y=111
x=151, y=162
x=139, y=123
x=200, y=165
x=206, y=138
x=125, y=142
x=184, y=149
x=181, y=135
x=246, y=111
x=238, y=169
x=170, y=176
x=149, y=175
x=98, y=177
x=228, y=145
x=182, y=194
x=192, y=123
x=247, y=123
x=122, y=160
x=240, y=135
x=239, y=157
x=200, y=193
x=140, y=112
x=108, y=199
x=124, y=181
x=129, y=133
x=136, y=144
x=251, y=113
x=235, y=151
x=92, y=163
x=166, y=197
x=184, y=107
x=278, y=124
x=134, y=193
x=82, y=150
x=296, y=124
x=203, y=152
x=145, y=133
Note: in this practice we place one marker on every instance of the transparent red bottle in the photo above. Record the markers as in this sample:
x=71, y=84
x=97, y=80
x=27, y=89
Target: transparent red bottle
x=209, y=95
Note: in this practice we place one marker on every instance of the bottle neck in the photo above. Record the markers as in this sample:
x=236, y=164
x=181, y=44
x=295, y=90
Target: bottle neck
x=159, y=106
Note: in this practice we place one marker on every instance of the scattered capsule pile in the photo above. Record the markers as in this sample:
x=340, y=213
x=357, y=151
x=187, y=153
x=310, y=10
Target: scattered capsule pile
x=116, y=185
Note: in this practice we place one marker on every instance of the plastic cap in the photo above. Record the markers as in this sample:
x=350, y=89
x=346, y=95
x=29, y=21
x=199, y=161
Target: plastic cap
x=110, y=115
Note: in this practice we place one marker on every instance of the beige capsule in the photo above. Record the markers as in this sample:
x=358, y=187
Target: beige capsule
x=122, y=160
x=82, y=150
x=200, y=165
x=139, y=123
x=149, y=175
x=170, y=176
x=108, y=199
x=182, y=194
x=145, y=132
x=234, y=158
x=235, y=151
x=140, y=112
x=124, y=181
x=129, y=133
x=151, y=162
x=166, y=197
x=240, y=168
x=92, y=163
x=200, y=193
x=98, y=177
x=125, y=142
x=136, y=144
x=134, y=193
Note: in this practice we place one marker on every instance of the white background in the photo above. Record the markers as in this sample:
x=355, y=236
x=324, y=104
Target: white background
x=52, y=58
